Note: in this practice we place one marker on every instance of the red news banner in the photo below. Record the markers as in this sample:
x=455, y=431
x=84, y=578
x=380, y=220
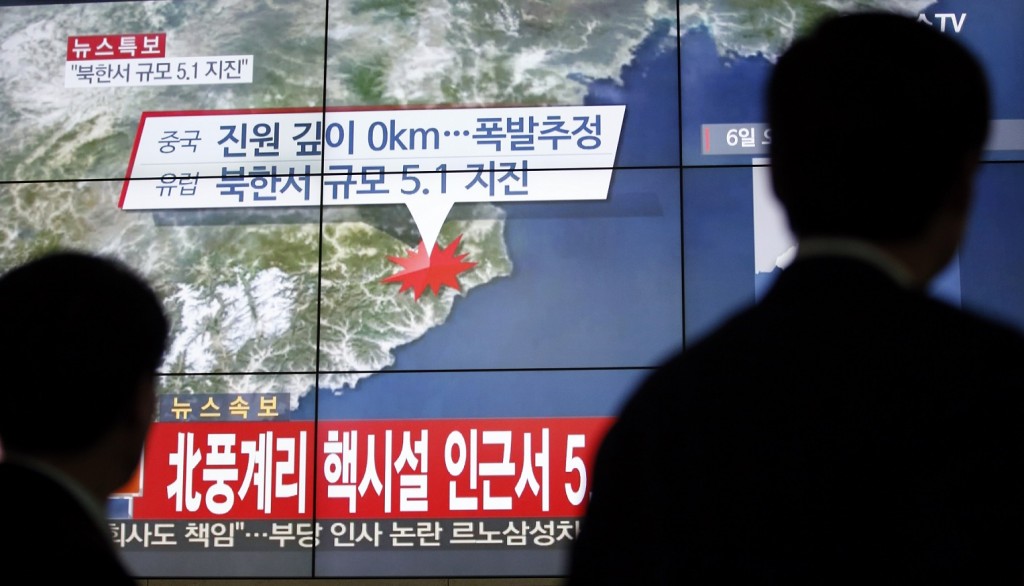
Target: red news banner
x=395, y=469
x=101, y=47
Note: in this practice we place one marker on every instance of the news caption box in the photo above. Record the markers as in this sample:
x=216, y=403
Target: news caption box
x=425, y=159
x=217, y=159
x=141, y=60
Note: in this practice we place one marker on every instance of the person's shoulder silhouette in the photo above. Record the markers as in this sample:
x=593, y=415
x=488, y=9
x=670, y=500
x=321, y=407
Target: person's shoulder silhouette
x=848, y=428
x=81, y=338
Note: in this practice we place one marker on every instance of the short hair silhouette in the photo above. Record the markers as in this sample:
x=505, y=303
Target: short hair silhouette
x=847, y=428
x=866, y=142
x=78, y=334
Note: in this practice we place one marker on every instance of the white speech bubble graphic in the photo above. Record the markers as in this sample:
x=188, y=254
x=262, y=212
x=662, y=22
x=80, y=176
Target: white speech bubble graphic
x=426, y=159
x=429, y=218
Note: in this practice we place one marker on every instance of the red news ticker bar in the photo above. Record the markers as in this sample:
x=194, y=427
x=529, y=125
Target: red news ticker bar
x=130, y=46
x=381, y=469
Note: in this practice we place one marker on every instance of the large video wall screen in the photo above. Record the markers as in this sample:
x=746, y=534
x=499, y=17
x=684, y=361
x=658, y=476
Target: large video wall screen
x=417, y=254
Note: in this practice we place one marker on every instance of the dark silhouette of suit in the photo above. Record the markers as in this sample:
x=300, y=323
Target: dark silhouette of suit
x=50, y=536
x=843, y=430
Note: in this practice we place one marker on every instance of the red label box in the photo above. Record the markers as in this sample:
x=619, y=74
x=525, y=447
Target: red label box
x=103, y=47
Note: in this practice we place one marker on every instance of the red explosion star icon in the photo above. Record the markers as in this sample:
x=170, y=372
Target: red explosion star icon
x=420, y=271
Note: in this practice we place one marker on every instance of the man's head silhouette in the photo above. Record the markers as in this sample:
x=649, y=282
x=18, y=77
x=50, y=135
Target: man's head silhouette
x=877, y=125
x=80, y=341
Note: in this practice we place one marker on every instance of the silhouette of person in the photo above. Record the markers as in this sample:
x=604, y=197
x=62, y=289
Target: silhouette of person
x=848, y=428
x=81, y=338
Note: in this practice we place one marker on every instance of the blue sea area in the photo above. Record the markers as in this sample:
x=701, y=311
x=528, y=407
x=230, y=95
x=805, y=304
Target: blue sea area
x=594, y=298
x=717, y=90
